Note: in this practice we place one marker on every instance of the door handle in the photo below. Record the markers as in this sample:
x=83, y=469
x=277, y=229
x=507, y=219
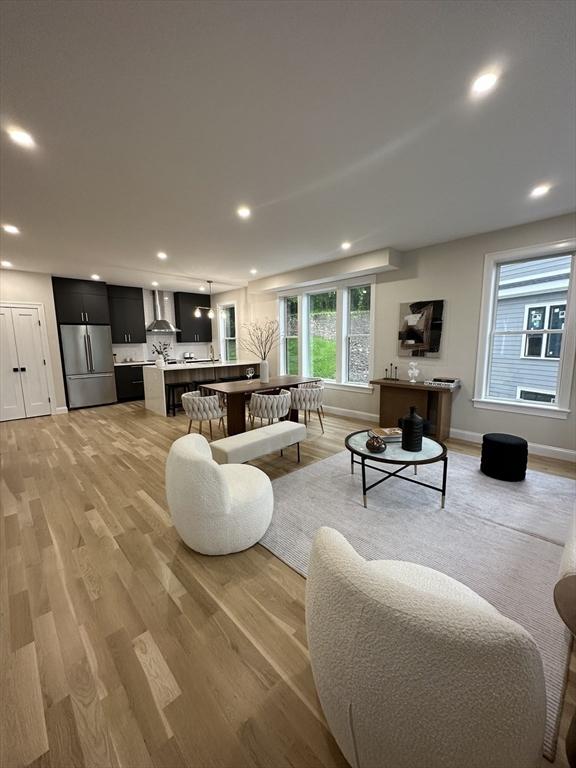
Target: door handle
x=15, y=370
x=90, y=352
x=86, y=352
x=23, y=369
x=86, y=313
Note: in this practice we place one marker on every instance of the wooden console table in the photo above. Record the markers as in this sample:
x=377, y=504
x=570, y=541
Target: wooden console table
x=432, y=403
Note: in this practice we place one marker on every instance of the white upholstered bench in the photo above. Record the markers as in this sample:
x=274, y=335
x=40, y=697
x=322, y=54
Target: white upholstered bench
x=258, y=442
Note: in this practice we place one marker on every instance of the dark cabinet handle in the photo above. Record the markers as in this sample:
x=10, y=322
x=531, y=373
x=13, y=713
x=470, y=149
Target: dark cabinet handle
x=22, y=369
x=15, y=370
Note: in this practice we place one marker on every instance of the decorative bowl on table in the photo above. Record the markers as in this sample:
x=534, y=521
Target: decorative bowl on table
x=375, y=443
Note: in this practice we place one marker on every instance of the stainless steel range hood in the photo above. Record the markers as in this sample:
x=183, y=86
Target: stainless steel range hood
x=160, y=324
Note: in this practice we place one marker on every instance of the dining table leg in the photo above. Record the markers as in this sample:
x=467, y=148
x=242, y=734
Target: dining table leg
x=236, y=412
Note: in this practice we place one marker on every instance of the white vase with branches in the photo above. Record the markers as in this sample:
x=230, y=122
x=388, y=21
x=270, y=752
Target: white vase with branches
x=260, y=338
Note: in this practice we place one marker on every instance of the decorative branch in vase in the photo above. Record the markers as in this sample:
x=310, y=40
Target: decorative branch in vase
x=260, y=338
x=161, y=348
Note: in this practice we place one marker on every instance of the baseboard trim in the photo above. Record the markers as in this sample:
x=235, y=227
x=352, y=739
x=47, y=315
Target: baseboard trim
x=60, y=410
x=364, y=416
x=548, y=451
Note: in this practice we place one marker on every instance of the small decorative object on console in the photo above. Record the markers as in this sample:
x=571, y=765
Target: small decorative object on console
x=413, y=372
x=250, y=372
x=412, y=431
x=443, y=383
x=375, y=444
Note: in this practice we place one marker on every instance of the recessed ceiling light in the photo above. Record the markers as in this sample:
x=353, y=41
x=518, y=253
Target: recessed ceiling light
x=565, y=244
x=202, y=287
x=484, y=83
x=244, y=212
x=540, y=190
x=11, y=229
x=154, y=283
x=253, y=271
x=346, y=245
x=6, y=264
x=23, y=138
x=161, y=255
x=95, y=277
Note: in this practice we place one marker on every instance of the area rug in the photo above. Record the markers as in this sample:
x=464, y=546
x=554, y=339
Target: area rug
x=503, y=540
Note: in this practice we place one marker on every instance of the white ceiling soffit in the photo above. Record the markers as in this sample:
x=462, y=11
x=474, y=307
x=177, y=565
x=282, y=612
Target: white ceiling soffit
x=361, y=265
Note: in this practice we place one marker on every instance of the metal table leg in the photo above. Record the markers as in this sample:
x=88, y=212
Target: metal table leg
x=444, y=477
x=364, y=492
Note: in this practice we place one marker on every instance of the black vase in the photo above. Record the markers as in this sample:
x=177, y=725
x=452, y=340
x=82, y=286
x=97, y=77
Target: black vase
x=412, y=431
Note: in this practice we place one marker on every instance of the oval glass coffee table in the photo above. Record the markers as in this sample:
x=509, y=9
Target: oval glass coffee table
x=432, y=451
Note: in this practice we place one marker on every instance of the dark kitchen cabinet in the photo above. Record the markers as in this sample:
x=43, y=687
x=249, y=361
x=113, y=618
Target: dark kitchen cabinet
x=126, y=306
x=129, y=382
x=192, y=328
x=80, y=301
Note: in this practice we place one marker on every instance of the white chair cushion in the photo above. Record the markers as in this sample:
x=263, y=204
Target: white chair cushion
x=258, y=442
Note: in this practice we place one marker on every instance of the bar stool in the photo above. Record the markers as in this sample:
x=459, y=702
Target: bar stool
x=174, y=390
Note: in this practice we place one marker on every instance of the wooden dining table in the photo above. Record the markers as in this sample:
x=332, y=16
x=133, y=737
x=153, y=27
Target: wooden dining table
x=236, y=391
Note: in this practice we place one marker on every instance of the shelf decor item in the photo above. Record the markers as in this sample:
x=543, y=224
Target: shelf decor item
x=413, y=372
x=260, y=339
x=375, y=444
x=412, y=431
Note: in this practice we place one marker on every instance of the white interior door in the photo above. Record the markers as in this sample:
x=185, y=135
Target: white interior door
x=32, y=363
x=11, y=395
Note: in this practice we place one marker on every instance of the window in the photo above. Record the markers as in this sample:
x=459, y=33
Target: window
x=228, y=343
x=290, y=325
x=526, y=346
x=548, y=317
x=328, y=333
x=322, y=332
x=358, y=340
x=536, y=396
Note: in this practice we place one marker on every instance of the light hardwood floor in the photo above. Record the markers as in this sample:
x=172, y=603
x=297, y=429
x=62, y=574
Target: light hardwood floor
x=120, y=647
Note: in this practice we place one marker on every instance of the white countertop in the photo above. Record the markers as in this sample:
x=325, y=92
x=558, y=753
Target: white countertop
x=197, y=365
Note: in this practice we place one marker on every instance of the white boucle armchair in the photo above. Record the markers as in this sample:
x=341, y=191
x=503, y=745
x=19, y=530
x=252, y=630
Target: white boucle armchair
x=215, y=509
x=415, y=670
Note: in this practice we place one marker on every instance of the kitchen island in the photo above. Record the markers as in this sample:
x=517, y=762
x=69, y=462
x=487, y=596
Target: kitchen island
x=156, y=379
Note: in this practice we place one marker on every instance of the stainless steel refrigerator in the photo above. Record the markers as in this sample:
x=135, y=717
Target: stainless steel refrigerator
x=88, y=364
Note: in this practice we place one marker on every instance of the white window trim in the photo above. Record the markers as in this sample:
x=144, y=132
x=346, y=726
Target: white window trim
x=303, y=293
x=221, y=337
x=561, y=409
x=526, y=388
x=544, y=332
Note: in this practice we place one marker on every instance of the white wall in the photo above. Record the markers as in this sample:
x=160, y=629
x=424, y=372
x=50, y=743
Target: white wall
x=37, y=288
x=453, y=272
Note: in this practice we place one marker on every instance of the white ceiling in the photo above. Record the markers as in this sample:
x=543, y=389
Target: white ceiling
x=333, y=120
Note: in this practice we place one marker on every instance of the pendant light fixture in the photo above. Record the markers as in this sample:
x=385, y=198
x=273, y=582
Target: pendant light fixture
x=198, y=312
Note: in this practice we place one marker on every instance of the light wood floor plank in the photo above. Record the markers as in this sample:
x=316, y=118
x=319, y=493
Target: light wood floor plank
x=121, y=647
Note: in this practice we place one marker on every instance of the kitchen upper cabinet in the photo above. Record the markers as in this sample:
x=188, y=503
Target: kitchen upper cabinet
x=192, y=328
x=126, y=314
x=80, y=301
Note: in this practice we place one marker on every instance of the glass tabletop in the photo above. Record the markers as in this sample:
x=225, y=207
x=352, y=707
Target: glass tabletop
x=432, y=450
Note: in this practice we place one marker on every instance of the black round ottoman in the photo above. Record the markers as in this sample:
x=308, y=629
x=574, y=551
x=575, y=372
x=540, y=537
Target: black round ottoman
x=504, y=457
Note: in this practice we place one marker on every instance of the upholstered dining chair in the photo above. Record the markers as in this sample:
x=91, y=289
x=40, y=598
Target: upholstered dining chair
x=201, y=409
x=313, y=385
x=308, y=399
x=269, y=407
x=415, y=669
